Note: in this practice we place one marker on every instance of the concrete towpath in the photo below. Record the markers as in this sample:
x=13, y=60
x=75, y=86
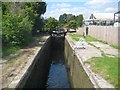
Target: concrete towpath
x=96, y=49
x=88, y=52
x=106, y=49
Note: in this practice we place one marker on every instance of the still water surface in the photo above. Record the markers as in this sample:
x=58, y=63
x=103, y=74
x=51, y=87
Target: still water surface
x=58, y=77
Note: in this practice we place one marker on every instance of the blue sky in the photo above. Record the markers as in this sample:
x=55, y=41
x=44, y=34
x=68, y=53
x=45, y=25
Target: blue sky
x=57, y=7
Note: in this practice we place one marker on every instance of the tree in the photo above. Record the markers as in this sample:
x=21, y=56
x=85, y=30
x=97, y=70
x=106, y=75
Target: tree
x=79, y=20
x=63, y=19
x=39, y=8
x=70, y=17
x=51, y=24
x=15, y=27
x=72, y=24
x=18, y=21
x=66, y=18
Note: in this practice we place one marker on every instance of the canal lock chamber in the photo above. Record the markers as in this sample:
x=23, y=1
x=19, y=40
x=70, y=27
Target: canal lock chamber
x=48, y=69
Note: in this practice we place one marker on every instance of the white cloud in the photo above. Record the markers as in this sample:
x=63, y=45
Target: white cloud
x=101, y=6
x=71, y=10
x=97, y=3
x=66, y=0
x=101, y=3
x=110, y=9
x=62, y=5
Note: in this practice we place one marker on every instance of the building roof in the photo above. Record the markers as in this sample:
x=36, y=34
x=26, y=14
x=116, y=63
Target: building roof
x=103, y=16
x=117, y=12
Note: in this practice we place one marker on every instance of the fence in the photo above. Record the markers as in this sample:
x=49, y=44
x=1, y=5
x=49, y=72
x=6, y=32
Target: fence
x=108, y=34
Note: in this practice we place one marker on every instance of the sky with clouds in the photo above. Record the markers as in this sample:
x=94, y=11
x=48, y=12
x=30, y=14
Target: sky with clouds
x=55, y=8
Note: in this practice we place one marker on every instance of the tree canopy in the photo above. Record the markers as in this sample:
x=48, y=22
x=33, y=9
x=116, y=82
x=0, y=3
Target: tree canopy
x=51, y=24
x=66, y=20
x=72, y=24
x=63, y=19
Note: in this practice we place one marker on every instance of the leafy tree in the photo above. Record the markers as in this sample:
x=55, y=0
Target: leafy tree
x=63, y=18
x=66, y=18
x=18, y=21
x=51, y=24
x=15, y=28
x=79, y=20
x=72, y=24
x=40, y=8
x=70, y=17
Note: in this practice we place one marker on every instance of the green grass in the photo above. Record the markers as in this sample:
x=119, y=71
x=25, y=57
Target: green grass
x=90, y=39
x=77, y=36
x=116, y=47
x=106, y=67
x=8, y=50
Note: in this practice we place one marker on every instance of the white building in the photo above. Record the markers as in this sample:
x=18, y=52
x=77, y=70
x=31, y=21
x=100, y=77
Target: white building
x=100, y=19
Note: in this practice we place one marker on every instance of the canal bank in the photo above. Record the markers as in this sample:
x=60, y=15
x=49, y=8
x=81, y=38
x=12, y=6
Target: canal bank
x=48, y=64
x=77, y=72
x=81, y=73
x=29, y=74
x=45, y=66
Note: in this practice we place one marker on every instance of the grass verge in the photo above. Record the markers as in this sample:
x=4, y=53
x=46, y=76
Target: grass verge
x=76, y=37
x=107, y=67
x=8, y=50
x=116, y=47
x=90, y=39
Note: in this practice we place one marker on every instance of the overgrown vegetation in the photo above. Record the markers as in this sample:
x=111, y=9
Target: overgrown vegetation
x=19, y=22
x=107, y=67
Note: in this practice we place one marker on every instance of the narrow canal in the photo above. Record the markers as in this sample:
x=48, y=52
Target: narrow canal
x=48, y=69
x=57, y=77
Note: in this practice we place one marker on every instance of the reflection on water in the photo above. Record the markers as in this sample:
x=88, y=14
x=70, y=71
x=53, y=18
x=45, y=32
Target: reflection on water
x=57, y=77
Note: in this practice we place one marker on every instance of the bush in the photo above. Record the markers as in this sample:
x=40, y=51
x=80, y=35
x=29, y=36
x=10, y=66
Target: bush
x=17, y=23
x=16, y=29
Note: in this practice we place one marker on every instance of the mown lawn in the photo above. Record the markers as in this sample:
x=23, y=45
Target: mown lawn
x=107, y=67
